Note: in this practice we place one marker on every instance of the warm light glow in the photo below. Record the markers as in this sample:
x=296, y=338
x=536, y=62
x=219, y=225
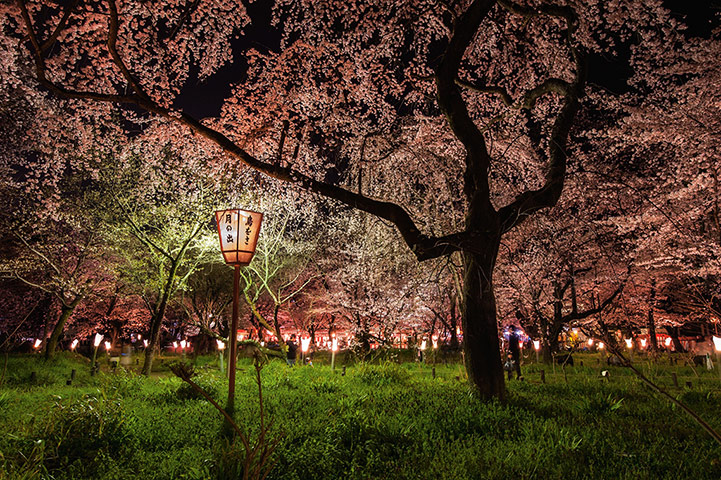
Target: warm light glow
x=96, y=341
x=140, y=337
x=38, y=342
x=537, y=344
x=334, y=345
x=74, y=344
x=601, y=345
x=458, y=330
x=575, y=330
x=145, y=342
x=183, y=343
x=107, y=346
x=590, y=342
x=520, y=344
x=717, y=343
x=629, y=342
x=423, y=344
x=305, y=344
x=175, y=345
x=238, y=233
x=667, y=342
x=434, y=339
x=643, y=343
x=221, y=344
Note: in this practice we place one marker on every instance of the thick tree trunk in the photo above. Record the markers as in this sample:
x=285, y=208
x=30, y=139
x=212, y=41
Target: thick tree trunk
x=65, y=312
x=480, y=330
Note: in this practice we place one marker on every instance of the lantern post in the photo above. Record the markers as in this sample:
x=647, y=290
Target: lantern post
x=333, y=349
x=221, y=347
x=238, y=234
x=717, y=347
x=96, y=343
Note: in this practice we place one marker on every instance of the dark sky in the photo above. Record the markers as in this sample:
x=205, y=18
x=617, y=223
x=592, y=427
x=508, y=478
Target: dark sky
x=204, y=99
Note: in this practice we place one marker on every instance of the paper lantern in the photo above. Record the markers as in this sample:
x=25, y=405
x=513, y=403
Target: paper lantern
x=238, y=233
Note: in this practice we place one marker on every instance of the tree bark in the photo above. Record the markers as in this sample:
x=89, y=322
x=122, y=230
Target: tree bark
x=650, y=322
x=673, y=333
x=156, y=322
x=480, y=330
x=65, y=312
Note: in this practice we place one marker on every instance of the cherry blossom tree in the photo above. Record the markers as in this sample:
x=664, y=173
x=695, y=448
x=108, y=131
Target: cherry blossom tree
x=58, y=248
x=496, y=71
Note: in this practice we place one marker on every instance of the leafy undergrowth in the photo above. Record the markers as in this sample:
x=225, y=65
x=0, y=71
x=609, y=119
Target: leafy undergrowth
x=384, y=421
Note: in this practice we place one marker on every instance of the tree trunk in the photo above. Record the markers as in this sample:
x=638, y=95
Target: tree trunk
x=65, y=312
x=454, y=326
x=673, y=333
x=651, y=322
x=480, y=329
x=156, y=322
x=652, y=331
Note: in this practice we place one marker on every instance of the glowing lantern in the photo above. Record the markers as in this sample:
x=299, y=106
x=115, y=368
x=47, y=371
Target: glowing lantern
x=305, y=344
x=590, y=342
x=629, y=342
x=667, y=342
x=175, y=345
x=96, y=341
x=434, y=339
x=333, y=349
x=74, y=344
x=537, y=345
x=238, y=232
x=221, y=344
x=643, y=343
x=717, y=343
x=140, y=337
x=601, y=345
x=107, y=346
x=37, y=343
x=520, y=344
x=423, y=344
x=145, y=343
x=183, y=343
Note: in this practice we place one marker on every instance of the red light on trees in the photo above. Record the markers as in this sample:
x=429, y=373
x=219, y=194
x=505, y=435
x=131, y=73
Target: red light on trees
x=238, y=233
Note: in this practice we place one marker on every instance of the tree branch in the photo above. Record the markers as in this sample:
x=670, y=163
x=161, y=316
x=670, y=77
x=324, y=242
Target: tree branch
x=531, y=201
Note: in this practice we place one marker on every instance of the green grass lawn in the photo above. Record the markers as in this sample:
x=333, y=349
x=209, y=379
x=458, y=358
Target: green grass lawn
x=385, y=421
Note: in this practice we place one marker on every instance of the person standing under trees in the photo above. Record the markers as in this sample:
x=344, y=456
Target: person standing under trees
x=292, y=351
x=514, y=350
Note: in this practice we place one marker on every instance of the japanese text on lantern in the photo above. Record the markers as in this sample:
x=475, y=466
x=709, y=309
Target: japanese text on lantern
x=248, y=223
x=229, y=228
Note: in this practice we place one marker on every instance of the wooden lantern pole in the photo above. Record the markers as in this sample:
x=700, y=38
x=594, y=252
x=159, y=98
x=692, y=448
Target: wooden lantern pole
x=230, y=406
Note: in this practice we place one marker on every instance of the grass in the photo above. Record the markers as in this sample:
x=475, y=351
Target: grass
x=384, y=421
